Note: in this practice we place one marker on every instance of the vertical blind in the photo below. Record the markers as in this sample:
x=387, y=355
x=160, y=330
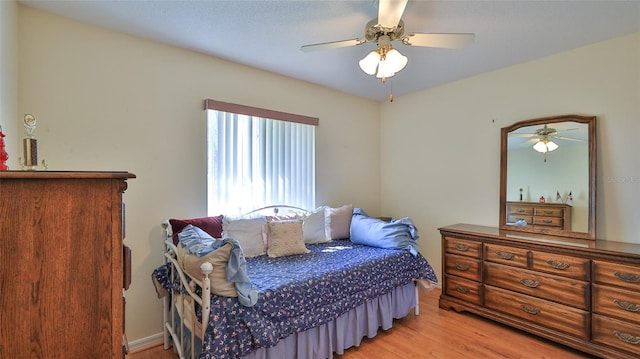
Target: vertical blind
x=255, y=162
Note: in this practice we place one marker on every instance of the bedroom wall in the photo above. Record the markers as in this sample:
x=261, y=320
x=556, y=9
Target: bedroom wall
x=108, y=101
x=440, y=148
x=9, y=79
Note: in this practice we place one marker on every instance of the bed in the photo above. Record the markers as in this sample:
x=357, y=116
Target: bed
x=316, y=302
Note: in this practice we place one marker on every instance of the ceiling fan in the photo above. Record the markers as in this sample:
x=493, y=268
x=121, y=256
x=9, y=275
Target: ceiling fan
x=543, y=138
x=546, y=132
x=386, y=61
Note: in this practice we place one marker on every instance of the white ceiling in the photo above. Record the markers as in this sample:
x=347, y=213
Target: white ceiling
x=267, y=34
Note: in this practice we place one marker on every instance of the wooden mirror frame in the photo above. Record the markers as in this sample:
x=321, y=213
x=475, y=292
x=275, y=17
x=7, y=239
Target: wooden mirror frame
x=591, y=230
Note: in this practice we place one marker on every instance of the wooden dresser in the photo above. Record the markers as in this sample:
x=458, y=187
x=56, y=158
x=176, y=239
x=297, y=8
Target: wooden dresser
x=581, y=293
x=556, y=215
x=62, y=264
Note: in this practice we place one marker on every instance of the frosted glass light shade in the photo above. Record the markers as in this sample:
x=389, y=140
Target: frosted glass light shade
x=369, y=63
x=393, y=62
x=384, y=70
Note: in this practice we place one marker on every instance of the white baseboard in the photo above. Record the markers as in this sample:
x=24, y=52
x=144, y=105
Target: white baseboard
x=143, y=343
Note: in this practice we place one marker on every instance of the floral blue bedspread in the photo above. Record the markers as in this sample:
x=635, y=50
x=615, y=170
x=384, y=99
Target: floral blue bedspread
x=303, y=291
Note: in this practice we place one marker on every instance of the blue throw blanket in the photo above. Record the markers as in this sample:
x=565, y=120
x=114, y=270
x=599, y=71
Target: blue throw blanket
x=196, y=241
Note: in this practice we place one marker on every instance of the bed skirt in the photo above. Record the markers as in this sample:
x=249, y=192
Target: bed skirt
x=345, y=331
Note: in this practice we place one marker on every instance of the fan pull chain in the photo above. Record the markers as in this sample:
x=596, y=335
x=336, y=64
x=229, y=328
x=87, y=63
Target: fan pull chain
x=391, y=92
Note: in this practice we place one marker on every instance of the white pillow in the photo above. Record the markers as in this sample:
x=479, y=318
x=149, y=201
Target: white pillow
x=249, y=232
x=338, y=221
x=314, y=229
x=284, y=238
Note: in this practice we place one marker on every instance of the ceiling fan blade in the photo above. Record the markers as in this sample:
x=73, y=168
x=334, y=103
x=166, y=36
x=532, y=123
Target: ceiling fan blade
x=568, y=138
x=390, y=12
x=448, y=41
x=528, y=143
x=332, y=45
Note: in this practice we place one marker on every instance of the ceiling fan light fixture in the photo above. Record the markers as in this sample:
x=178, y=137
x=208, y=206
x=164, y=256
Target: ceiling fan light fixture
x=544, y=146
x=383, y=62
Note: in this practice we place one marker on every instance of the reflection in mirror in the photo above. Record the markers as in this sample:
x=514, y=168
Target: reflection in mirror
x=548, y=176
x=559, y=176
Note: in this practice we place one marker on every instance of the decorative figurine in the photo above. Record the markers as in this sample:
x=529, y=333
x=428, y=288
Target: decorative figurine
x=4, y=156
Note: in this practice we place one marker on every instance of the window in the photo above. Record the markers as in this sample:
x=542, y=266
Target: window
x=258, y=157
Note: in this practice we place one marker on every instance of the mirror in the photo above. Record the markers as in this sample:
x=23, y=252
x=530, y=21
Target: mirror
x=548, y=176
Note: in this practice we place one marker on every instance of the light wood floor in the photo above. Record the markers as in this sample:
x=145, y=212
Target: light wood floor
x=438, y=333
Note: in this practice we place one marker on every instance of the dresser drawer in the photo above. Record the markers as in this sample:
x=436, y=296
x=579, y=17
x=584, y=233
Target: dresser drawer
x=548, y=212
x=463, y=289
x=554, y=288
x=616, y=302
x=616, y=333
x=548, y=221
x=464, y=267
x=520, y=210
x=559, y=264
x=512, y=256
x=513, y=218
x=538, y=311
x=621, y=275
x=463, y=247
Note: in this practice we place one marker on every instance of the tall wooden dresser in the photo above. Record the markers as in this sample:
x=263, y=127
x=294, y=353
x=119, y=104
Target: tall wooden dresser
x=62, y=264
x=581, y=293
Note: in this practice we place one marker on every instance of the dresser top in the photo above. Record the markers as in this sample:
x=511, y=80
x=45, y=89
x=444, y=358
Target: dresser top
x=538, y=204
x=599, y=245
x=65, y=174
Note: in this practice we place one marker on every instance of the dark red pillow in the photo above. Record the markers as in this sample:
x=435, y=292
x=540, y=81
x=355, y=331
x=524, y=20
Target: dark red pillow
x=211, y=225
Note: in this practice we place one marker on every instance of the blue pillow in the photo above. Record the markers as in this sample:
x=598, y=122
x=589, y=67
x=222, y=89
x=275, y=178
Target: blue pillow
x=374, y=232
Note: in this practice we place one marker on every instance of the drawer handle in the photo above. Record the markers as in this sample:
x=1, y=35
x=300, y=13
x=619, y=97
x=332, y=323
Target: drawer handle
x=529, y=309
x=520, y=210
x=505, y=255
x=462, y=267
x=530, y=283
x=547, y=221
x=462, y=289
x=558, y=265
x=628, y=306
x=461, y=247
x=628, y=277
x=548, y=212
x=626, y=337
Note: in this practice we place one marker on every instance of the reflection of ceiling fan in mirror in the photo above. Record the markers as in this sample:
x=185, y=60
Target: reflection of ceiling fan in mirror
x=542, y=138
x=386, y=61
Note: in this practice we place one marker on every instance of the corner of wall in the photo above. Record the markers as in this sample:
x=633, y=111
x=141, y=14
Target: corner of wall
x=9, y=78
